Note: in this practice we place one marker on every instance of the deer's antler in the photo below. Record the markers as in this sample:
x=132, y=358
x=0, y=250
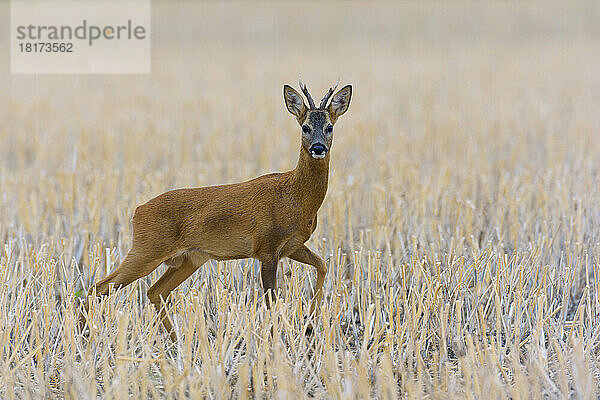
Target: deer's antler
x=311, y=102
x=328, y=95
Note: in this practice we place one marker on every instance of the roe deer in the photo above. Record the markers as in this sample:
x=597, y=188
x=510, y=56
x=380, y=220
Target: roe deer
x=266, y=218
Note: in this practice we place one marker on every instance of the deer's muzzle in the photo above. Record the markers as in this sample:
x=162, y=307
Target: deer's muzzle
x=318, y=150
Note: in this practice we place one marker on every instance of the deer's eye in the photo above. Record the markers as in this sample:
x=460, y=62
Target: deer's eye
x=305, y=129
x=329, y=129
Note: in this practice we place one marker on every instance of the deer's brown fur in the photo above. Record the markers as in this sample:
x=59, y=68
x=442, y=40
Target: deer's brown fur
x=266, y=218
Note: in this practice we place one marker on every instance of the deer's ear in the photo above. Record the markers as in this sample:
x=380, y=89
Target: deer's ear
x=340, y=102
x=294, y=102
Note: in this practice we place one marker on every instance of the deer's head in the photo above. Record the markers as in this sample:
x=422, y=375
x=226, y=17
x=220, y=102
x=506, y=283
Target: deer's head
x=317, y=122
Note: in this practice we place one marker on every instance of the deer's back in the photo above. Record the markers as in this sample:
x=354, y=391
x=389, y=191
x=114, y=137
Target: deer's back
x=226, y=222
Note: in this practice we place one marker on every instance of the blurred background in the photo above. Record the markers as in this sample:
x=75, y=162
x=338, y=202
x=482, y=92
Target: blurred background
x=465, y=93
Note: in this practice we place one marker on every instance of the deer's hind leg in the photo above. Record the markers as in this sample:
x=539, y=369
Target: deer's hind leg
x=172, y=278
x=135, y=265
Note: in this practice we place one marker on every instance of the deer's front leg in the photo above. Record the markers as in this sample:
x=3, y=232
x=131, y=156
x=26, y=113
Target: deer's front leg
x=268, y=274
x=306, y=256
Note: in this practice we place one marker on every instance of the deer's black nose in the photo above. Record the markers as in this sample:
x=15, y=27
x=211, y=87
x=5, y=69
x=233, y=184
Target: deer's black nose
x=318, y=149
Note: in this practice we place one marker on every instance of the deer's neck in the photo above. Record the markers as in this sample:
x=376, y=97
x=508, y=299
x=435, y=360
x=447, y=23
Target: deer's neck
x=309, y=181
